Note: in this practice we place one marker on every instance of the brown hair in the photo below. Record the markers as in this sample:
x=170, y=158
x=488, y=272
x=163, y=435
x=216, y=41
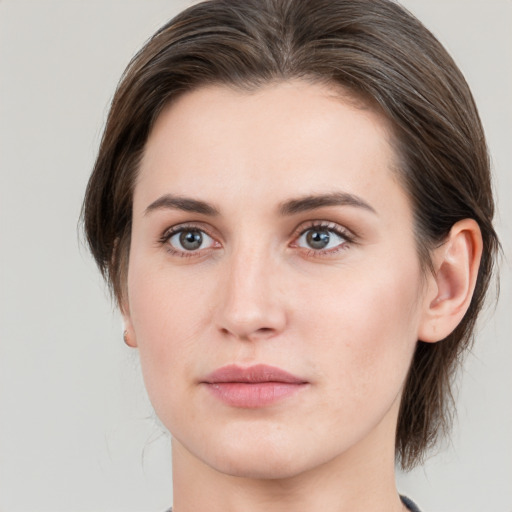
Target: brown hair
x=376, y=50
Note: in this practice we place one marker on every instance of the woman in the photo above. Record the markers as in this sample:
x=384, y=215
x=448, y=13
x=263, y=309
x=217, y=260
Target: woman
x=292, y=204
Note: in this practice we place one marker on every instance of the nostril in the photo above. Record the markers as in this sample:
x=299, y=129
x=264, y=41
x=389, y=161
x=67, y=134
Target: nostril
x=248, y=334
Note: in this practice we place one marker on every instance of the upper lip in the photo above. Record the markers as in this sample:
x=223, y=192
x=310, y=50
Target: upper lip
x=251, y=374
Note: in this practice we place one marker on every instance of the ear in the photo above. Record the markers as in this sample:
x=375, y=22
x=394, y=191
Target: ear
x=451, y=286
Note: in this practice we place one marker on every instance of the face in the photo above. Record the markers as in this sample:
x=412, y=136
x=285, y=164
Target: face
x=274, y=287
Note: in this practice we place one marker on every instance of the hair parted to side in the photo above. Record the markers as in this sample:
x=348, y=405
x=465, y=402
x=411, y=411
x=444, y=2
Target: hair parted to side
x=378, y=52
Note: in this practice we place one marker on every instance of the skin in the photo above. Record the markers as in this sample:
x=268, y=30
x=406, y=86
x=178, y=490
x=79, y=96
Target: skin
x=345, y=320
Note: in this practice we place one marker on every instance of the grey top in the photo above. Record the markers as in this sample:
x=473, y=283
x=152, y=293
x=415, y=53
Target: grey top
x=409, y=504
x=406, y=501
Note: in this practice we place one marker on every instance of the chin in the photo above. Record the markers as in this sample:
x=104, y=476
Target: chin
x=260, y=457
x=258, y=467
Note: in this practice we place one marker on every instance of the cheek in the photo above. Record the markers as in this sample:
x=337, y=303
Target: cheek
x=167, y=316
x=364, y=323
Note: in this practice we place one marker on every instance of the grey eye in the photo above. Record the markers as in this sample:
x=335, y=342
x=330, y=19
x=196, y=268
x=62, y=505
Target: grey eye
x=317, y=239
x=320, y=238
x=190, y=240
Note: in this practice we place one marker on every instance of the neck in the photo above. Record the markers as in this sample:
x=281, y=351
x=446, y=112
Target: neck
x=361, y=479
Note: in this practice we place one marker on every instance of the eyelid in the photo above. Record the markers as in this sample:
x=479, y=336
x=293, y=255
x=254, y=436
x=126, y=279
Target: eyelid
x=184, y=226
x=339, y=229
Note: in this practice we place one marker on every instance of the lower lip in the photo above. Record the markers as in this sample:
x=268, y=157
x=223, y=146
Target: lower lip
x=253, y=395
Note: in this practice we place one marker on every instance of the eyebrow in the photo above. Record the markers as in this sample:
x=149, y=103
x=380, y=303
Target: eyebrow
x=290, y=207
x=312, y=202
x=187, y=204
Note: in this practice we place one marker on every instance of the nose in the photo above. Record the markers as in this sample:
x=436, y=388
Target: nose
x=252, y=304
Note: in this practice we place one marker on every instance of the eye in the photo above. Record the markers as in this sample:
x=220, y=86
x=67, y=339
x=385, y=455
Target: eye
x=321, y=238
x=189, y=240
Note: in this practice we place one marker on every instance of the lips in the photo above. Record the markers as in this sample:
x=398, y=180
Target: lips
x=252, y=387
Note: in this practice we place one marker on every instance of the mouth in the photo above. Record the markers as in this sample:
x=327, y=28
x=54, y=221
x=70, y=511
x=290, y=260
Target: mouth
x=252, y=387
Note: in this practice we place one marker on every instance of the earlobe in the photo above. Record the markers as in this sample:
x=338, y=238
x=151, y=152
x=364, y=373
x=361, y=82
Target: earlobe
x=128, y=339
x=128, y=333
x=452, y=284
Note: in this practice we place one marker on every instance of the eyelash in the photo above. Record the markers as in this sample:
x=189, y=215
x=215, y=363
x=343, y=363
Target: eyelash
x=311, y=225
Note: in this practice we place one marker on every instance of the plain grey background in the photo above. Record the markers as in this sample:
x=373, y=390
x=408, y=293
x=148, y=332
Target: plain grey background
x=76, y=430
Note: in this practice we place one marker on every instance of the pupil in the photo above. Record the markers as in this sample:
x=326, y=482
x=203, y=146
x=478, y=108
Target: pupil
x=191, y=240
x=318, y=239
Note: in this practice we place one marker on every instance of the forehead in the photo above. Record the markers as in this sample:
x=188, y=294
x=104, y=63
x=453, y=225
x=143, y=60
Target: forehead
x=285, y=139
